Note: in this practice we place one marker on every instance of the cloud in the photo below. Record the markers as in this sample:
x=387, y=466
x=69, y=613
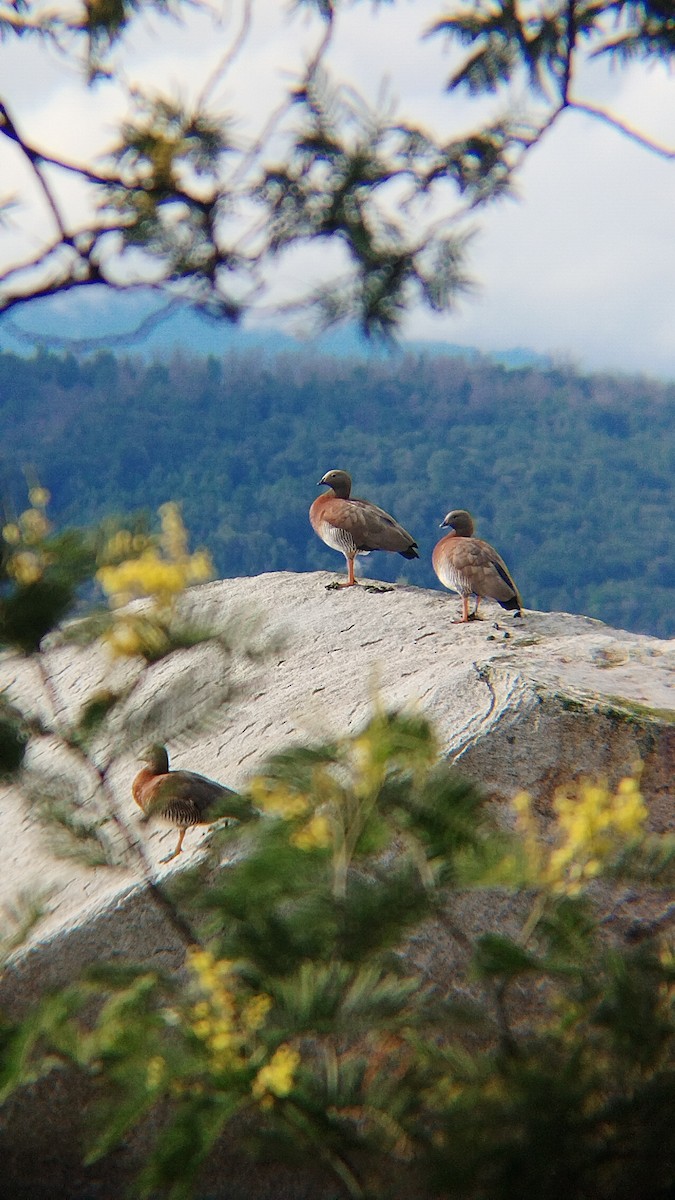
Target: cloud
x=584, y=263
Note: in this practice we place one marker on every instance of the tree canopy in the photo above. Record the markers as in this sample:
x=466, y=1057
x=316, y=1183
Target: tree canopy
x=208, y=191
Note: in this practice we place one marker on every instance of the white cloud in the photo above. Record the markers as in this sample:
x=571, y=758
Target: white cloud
x=584, y=263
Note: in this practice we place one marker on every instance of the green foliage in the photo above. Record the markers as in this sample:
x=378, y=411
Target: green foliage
x=505, y=39
x=104, y=22
x=308, y=1033
x=31, y=607
x=13, y=738
x=327, y=189
x=16, y=923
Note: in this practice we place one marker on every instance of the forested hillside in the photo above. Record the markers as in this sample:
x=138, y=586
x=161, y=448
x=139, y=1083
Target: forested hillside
x=570, y=476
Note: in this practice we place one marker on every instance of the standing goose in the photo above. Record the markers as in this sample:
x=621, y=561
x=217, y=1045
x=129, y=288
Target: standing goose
x=472, y=567
x=182, y=798
x=355, y=526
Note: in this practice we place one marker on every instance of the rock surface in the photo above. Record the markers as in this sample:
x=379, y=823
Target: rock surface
x=516, y=703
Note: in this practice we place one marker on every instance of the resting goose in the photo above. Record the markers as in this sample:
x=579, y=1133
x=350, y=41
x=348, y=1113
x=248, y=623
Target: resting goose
x=472, y=567
x=183, y=798
x=355, y=526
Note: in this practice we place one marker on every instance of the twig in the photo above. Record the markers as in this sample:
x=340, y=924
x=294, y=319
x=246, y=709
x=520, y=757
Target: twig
x=134, y=847
x=571, y=36
x=35, y=160
x=140, y=330
x=600, y=114
x=229, y=56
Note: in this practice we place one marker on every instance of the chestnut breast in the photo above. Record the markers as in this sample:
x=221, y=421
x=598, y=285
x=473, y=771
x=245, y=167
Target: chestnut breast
x=181, y=798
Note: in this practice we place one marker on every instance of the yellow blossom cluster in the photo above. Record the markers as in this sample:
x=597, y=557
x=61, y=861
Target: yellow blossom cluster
x=225, y=1026
x=149, y=575
x=275, y=798
x=593, y=822
x=174, y=540
x=27, y=562
x=143, y=634
x=276, y=1078
x=34, y=526
x=38, y=496
x=228, y=1028
x=315, y=834
x=124, y=543
x=158, y=571
x=11, y=534
x=140, y=567
x=26, y=567
x=368, y=761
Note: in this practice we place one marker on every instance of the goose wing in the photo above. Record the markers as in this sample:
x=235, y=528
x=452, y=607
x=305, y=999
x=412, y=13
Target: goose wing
x=370, y=527
x=186, y=798
x=485, y=570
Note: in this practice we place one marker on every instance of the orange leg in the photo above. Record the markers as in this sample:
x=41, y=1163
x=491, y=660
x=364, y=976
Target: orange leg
x=178, y=849
x=351, y=581
x=465, y=612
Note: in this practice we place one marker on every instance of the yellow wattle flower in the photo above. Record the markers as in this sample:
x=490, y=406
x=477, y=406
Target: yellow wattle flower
x=225, y=1029
x=315, y=835
x=118, y=544
x=25, y=567
x=33, y=525
x=199, y=567
x=254, y=1013
x=593, y=822
x=274, y=798
x=146, y=570
x=124, y=640
x=174, y=535
x=224, y=1039
x=276, y=1078
x=11, y=533
x=39, y=497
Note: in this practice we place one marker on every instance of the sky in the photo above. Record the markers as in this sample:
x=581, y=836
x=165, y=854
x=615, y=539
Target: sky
x=580, y=266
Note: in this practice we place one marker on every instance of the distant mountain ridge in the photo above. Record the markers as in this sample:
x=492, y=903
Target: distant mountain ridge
x=102, y=319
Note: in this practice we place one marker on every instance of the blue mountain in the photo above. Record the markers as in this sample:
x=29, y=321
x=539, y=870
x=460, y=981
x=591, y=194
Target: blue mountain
x=98, y=318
